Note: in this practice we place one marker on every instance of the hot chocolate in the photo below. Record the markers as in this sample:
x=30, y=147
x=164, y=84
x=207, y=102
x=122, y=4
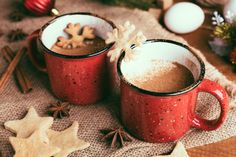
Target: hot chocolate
x=164, y=76
x=91, y=46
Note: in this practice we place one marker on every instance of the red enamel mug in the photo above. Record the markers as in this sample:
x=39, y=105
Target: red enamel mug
x=80, y=79
x=165, y=117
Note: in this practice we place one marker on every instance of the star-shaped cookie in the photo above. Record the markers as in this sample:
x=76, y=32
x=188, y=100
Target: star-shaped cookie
x=34, y=146
x=179, y=151
x=67, y=140
x=29, y=124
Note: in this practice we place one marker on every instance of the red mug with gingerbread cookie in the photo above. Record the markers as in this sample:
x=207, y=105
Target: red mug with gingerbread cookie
x=74, y=52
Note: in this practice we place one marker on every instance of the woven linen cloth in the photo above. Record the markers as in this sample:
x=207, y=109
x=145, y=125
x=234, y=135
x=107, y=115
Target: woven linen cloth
x=92, y=118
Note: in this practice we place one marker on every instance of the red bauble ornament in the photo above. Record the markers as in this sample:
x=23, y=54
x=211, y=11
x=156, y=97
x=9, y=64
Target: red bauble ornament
x=40, y=7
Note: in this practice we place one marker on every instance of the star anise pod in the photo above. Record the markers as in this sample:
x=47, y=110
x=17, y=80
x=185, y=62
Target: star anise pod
x=117, y=137
x=16, y=16
x=59, y=109
x=16, y=35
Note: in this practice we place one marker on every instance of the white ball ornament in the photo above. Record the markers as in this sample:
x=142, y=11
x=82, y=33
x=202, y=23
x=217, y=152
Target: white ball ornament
x=184, y=17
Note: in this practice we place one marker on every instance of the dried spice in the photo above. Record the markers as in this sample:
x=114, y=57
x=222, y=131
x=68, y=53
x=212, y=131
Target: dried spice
x=20, y=73
x=16, y=35
x=16, y=16
x=5, y=77
x=59, y=109
x=117, y=137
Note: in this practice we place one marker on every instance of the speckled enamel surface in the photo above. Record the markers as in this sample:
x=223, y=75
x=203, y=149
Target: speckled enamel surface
x=164, y=117
x=157, y=118
x=167, y=118
x=79, y=81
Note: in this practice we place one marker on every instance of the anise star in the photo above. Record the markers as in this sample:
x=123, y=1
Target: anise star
x=117, y=137
x=16, y=35
x=59, y=109
x=16, y=16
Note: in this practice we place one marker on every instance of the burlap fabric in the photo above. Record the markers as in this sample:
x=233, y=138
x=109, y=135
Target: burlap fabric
x=92, y=118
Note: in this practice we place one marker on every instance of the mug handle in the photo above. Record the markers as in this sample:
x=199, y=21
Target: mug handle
x=219, y=92
x=32, y=50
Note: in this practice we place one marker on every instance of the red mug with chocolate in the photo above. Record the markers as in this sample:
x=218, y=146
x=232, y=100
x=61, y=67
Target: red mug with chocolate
x=159, y=90
x=77, y=65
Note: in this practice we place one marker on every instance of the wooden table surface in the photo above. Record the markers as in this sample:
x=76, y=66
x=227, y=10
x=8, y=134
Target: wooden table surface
x=199, y=39
x=225, y=148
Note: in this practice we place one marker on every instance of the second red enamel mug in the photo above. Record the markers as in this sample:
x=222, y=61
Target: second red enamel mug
x=163, y=117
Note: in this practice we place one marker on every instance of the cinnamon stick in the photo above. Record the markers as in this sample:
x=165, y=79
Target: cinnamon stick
x=21, y=77
x=10, y=69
